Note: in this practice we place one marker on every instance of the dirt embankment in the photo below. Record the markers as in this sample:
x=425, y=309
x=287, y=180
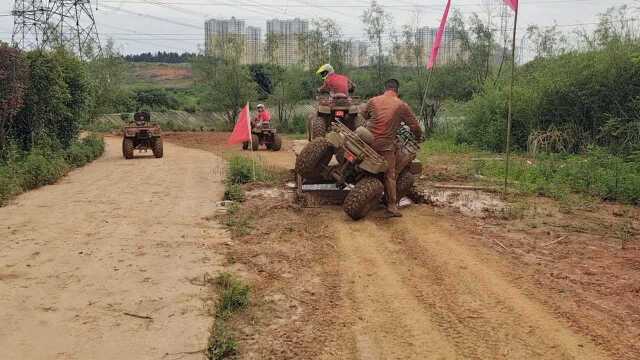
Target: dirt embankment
x=434, y=284
x=109, y=262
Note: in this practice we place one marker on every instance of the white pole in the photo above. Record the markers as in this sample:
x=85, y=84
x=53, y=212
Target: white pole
x=509, y=116
x=253, y=155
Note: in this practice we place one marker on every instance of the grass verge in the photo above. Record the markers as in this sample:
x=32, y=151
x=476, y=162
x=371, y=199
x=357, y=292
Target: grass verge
x=595, y=173
x=234, y=297
x=44, y=165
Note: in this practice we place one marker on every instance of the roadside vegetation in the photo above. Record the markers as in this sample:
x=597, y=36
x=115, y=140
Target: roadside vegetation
x=45, y=97
x=233, y=297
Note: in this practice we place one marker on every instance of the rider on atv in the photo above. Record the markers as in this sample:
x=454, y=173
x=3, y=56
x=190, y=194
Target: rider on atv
x=262, y=118
x=334, y=83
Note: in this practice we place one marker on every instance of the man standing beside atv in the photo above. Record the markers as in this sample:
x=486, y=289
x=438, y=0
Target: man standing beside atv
x=384, y=115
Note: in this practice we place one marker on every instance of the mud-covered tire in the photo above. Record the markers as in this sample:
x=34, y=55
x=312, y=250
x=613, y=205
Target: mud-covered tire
x=404, y=183
x=318, y=127
x=313, y=158
x=276, y=145
x=245, y=145
x=364, y=196
x=127, y=148
x=255, y=142
x=157, y=148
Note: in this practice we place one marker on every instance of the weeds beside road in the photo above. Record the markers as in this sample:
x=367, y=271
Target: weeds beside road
x=596, y=174
x=44, y=165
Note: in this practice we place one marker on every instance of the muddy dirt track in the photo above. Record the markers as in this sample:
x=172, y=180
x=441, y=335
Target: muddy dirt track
x=117, y=239
x=412, y=288
x=135, y=237
x=417, y=292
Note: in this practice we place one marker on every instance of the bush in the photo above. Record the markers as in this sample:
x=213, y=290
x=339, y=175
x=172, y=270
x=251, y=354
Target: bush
x=233, y=192
x=576, y=94
x=45, y=164
x=241, y=171
x=39, y=169
x=84, y=151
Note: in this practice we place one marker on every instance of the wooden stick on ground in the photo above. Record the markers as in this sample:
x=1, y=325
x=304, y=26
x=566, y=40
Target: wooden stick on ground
x=138, y=316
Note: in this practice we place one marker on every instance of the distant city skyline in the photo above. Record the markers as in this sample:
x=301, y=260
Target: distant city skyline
x=140, y=26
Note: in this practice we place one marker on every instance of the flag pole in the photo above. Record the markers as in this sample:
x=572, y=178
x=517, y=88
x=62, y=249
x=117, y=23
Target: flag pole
x=253, y=155
x=424, y=96
x=509, y=116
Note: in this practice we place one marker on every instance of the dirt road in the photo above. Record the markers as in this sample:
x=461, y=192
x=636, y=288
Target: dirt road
x=82, y=259
x=412, y=288
x=416, y=291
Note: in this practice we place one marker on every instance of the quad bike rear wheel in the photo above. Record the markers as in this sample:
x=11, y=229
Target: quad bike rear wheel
x=364, y=196
x=127, y=148
x=276, y=145
x=318, y=127
x=314, y=158
x=157, y=148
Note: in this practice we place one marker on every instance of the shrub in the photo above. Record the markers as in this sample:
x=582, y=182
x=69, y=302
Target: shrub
x=591, y=96
x=38, y=169
x=241, y=171
x=234, y=295
x=233, y=192
x=45, y=164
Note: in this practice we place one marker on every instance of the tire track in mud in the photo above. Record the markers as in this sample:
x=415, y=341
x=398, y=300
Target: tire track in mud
x=416, y=291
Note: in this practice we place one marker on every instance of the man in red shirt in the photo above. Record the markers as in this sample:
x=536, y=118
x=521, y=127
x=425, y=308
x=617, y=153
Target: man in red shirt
x=333, y=82
x=262, y=118
x=384, y=115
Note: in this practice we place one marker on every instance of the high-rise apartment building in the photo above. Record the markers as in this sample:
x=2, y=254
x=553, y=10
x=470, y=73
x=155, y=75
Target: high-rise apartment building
x=253, y=47
x=217, y=31
x=357, y=54
x=450, y=48
x=285, y=35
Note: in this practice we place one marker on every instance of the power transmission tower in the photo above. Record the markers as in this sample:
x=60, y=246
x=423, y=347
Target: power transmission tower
x=72, y=24
x=54, y=23
x=29, y=23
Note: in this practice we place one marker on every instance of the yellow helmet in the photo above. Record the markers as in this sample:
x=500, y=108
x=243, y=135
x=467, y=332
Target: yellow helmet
x=325, y=70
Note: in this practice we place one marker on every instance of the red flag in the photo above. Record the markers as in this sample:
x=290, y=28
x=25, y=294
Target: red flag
x=242, y=130
x=512, y=4
x=439, y=33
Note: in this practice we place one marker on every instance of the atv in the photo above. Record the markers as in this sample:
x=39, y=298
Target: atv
x=334, y=108
x=263, y=135
x=360, y=169
x=141, y=134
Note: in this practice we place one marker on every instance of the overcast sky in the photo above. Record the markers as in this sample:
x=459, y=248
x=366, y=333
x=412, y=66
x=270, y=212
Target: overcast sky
x=177, y=25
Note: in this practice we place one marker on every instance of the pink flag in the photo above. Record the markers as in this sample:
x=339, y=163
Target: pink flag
x=242, y=130
x=512, y=4
x=439, y=33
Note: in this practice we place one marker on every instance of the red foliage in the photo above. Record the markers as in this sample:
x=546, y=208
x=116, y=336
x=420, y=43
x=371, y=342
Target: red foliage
x=13, y=80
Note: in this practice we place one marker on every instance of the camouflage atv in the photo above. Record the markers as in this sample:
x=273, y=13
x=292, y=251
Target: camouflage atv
x=141, y=134
x=334, y=108
x=360, y=169
x=266, y=136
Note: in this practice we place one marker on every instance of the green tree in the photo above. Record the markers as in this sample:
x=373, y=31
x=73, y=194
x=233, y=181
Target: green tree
x=376, y=22
x=109, y=74
x=13, y=80
x=45, y=113
x=223, y=83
